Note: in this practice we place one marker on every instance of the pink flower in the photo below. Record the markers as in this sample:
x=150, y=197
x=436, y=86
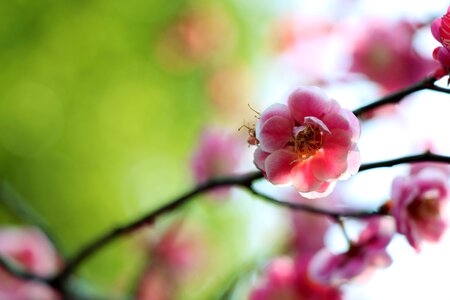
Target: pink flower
x=384, y=52
x=217, y=154
x=310, y=143
x=287, y=279
x=178, y=249
x=155, y=284
x=440, y=28
x=418, y=205
x=174, y=258
x=368, y=253
x=31, y=250
x=308, y=230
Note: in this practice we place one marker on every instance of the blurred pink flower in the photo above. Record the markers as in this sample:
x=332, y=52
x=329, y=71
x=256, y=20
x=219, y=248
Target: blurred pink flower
x=418, y=205
x=322, y=41
x=440, y=28
x=310, y=143
x=32, y=251
x=368, y=253
x=217, y=154
x=287, y=279
x=174, y=257
x=178, y=249
x=155, y=284
x=308, y=230
x=384, y=52
x=416, y=168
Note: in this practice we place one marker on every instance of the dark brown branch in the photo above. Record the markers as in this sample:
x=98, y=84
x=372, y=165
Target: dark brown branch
x=87, y=251
x=425, y=157
x=437, y=88
x=427, y=83
x=317, y=210
x=245, y=181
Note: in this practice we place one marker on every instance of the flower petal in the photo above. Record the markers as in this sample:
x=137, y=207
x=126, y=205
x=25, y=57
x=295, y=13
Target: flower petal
x=308, y=101
x=327, y=168
x=276, y=109
x=435, y=29
x=278, y=166
x=259, y=158
x=274, y=134
x=303, y=178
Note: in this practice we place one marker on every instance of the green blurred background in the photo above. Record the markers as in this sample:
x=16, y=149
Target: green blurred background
x=101, y=104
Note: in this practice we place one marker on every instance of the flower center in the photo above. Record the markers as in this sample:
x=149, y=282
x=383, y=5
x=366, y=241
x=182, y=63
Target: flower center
x=424, y=208
x=307, y=140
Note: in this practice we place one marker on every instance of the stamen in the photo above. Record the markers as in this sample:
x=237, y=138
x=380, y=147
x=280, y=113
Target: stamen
x=424, y=208
x=307, y=141
x=251, y=128
x=258, y=114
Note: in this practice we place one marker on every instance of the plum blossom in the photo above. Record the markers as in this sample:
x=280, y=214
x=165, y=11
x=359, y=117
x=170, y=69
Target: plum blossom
x=440, y=28
x=363, y=256
x=31, y=250
x=384, y=52
x=309, y=143
x=174, y=257
x=287, y=279
x=218, y=154
x=418, y=205
x=308, y=230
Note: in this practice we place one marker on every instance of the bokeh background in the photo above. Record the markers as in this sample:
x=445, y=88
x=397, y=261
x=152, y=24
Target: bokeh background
x=102, y=104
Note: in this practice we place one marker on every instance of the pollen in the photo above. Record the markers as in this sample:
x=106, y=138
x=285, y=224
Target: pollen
x=307, y=141
x=424, y=208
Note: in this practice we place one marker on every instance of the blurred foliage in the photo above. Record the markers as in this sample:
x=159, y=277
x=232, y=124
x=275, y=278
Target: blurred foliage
x=100, y=105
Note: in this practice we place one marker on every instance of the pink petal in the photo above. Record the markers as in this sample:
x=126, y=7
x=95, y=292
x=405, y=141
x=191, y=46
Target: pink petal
x=324, y=190
x=337, y=144
x=318, y=123
x=432, y=230
x=444, y=56
x=325, y=168
x=353, y=164
x=259, y=157
x=275, y=133
x=435, y=29
x=308, y=101
x=337, y=121
x=303, y=178
x=276, y=109
x=278, y=166
x=354, y=124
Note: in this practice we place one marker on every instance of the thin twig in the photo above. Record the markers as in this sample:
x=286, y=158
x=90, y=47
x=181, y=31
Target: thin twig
x=425, y=157
x=437, y=88
x=341, y=224
x=426, y=83
x=98, y=243
x=317, y=210
x=245, y=181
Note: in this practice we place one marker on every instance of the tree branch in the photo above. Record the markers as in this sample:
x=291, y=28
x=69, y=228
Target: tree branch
x=426, y=83
x=317, y=210
x=87, y=251
x=245, y=181
x=425, y=157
